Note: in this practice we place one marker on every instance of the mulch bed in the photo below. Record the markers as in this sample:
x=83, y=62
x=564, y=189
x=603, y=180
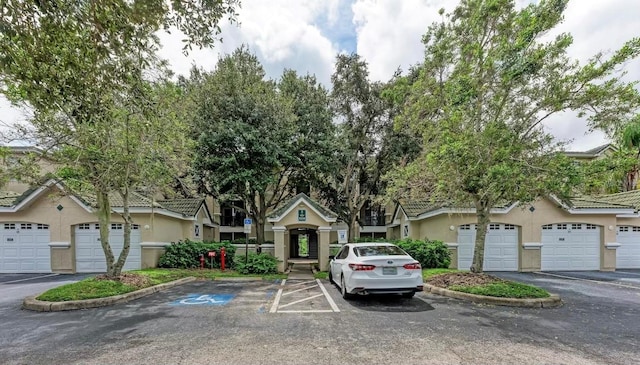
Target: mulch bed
x=135, y=280
x=463, y=279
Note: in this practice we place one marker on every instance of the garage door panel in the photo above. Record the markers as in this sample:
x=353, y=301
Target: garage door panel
x=500, y=251
x=89, y=252
x=628, y=254
x=573, y=246
x=24, y=248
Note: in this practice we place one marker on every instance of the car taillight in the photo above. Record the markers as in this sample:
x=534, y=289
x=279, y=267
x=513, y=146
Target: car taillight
x=414, y=266
x=361, y=267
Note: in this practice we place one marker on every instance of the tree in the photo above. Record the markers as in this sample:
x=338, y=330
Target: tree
x=360, y=112
x=85, y=68
x=245, y=133
x=488, y=81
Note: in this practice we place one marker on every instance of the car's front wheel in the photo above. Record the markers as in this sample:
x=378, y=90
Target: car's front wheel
x=408, y=295
x=343, y=289
x=331, y=277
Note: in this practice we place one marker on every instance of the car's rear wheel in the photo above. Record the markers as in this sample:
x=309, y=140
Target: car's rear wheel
x=408, y=295
x=343, y=289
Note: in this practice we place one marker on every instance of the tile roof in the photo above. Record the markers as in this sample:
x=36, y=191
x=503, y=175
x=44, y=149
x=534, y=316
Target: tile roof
x=136, y=200
x=8, y=198
x=597, y=203
x=415, y=208
x=627, y=198
x=590, y=153
x=284, y=207
x=187, y=207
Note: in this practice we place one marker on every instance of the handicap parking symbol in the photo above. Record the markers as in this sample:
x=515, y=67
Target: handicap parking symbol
x=204, y=299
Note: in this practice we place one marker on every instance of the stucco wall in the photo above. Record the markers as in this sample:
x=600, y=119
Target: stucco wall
x=445, y=227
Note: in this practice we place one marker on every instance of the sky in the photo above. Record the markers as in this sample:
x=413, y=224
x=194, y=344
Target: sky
x=306, y=35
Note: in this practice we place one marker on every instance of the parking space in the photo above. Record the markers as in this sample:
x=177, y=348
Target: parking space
x=200, y=321
x=303, y=296
x=621, y=278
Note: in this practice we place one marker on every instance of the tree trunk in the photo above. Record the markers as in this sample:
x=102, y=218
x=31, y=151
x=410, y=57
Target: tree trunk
x=260, y=217
x=104, y=218
x=117, y=269
x=353, y=223
x=482, y=213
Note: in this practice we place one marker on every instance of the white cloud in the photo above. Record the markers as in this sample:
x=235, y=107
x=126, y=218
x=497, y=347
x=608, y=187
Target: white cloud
x=305, y=35
x=390, y=32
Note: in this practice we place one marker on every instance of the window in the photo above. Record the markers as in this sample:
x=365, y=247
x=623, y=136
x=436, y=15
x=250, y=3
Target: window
x=547, y=227
x=465, y=227
x=623, y=229
x=378, y=251
x=42, y=226
x=494, y=227
x=9, y=226
x=116, y=226
x=576, y=226
x=135, y=226
x=509, y=227
x=591, y=226
x=405, y=231
x=84, y=226
x=232, y=214
x=26, y=226
x=343, y=253
x=636, y=229
x=231, y=236
x=561, y=226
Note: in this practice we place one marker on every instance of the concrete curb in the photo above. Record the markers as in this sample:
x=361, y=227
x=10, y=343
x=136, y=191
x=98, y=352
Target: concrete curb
x=31, y=303
x=551, y=302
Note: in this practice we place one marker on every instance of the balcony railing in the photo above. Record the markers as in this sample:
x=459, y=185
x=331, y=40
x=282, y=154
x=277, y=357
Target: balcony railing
x=232, y=220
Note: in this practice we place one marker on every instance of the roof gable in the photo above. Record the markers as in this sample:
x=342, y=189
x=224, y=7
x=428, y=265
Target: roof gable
x=278, y=214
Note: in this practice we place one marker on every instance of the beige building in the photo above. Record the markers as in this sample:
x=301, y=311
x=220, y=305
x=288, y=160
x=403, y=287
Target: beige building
x=50, y=229
x=601, y=233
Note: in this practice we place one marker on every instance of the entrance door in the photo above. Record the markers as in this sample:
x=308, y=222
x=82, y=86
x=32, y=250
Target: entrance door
x=313, y=244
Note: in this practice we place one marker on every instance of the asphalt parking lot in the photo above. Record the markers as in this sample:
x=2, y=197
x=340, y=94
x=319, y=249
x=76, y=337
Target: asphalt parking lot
x=233, y=323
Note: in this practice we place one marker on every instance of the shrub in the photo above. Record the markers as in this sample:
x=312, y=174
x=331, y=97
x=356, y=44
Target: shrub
x=257, y=264
x=430, y=253
x=186, y=254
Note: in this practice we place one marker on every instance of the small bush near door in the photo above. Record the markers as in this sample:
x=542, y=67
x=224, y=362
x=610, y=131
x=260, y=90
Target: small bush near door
x=431, y=254
x=186, y=254
x=257, y=264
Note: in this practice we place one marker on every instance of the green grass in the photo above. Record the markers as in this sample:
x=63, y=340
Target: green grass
x=86, y=289
x=91, y=288
x=321, y=275
x=427, y=273
x=506, y=289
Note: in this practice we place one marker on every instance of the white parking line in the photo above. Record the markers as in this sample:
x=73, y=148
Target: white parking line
x=33, y=278
x=588, y=280
x=329, y=299
x=300, y=300
x=301, y=289
x=277, y=308
x=276, y=301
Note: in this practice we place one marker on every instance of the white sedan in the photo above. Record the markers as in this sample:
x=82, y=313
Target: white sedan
x=375, y=268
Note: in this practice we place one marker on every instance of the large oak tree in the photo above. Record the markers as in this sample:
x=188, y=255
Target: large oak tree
x=491, y=76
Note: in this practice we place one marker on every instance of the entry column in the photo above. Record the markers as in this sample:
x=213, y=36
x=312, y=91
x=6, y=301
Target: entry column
x=324, y=234
x=279, y=247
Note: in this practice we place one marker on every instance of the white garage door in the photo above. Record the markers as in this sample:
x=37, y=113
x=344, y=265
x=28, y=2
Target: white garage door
x=500, y=247
x=628, y=254
x=89, y=253
x=24, y=248
x=570, y=246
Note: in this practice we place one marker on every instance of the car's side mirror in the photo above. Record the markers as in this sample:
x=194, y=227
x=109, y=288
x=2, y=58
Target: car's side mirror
x=331, y=257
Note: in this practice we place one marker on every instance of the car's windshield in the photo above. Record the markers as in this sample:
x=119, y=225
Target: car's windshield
x=378, y=251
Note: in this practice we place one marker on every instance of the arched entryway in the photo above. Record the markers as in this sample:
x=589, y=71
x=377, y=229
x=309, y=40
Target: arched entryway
x=302, y=216
x=303, y=243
